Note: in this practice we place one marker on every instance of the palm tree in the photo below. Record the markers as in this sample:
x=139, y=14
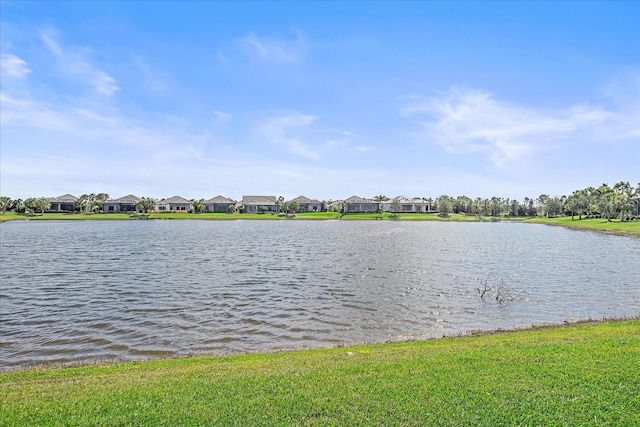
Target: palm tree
x=18, y=206
x=279, y=203
x=43, y=204
x=380, y=198
x=145, y=204
x=5, y=203
x=624, y=194
x=590, y=195
x=197, y=206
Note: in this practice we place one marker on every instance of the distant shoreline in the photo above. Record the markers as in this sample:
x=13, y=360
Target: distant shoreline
x=628, y=228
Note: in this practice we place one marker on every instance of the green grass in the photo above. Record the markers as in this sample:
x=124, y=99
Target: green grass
x=585, y=374
x=595, y=224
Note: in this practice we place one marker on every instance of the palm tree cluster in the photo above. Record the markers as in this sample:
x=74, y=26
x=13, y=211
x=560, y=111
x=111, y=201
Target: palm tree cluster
x=89, y=203
x=602, y=202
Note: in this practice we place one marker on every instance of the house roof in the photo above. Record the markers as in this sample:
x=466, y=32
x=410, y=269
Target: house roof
x=358, y=199
x=303, y=199
x=405, y=199
x=258, y=200
x=173, y=200
x=219, y=199
x=124, y=199
x=66, y=198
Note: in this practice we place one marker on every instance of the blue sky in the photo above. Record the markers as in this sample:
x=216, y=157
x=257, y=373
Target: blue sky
x=325, y=99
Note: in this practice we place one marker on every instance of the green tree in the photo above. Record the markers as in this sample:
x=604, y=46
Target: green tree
x=197, y=206
x=624, y=193
x=90, y=203
x=290, y=207
x=279, y=202
x=396, y=206
x=145, y=204
x=18, y=206
x=554, y=207
x=31, y=204
x=542, y=201
x=577, y=203
x=5, y=203
x=445, y=205
x=43, y=204
x=380, y=199
x=606, y=202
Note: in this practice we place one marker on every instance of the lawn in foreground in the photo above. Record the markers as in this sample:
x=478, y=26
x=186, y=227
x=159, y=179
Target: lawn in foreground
x=574, y=375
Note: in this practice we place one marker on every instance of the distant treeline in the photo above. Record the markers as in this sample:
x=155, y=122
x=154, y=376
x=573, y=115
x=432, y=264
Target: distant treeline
x=621, y=201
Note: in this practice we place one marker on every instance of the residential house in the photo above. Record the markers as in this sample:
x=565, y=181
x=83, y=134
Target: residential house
x=123, y=204
x=173, y=204
x=218, y=204
x=65, y=203
x=356, y=204
x=259, y=203
x=306, y=204
x=402, y=204
x=636, y=209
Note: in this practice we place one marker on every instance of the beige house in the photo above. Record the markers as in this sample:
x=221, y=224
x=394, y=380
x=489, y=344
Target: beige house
x=306, y=204
x=173, y=204
x=65, y=203
x=402, y=204
x=257, y=204
x=218, y=204
x=123, y=204
x=356, y=204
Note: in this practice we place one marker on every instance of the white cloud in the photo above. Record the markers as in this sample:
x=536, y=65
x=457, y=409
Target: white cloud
x=272, y=49
x=221, y=118
x=13, y=66
x=464, y=121
x=286, y=130
x=76, y=61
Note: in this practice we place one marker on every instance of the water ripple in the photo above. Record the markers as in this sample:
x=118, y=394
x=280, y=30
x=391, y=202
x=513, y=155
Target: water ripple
x=93, y=291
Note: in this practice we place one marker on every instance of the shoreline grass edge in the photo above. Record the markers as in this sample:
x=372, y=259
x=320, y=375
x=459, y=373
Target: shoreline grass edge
x=583, y=373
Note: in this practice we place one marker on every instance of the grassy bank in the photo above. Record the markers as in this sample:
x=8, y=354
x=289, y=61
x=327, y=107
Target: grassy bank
x=584, y=374
x=594, y=224
x=631, y=228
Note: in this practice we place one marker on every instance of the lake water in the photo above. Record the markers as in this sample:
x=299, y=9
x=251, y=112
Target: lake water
x=80, y=291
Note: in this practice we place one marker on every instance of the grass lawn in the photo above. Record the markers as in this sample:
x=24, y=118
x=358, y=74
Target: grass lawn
x=596, y=224
x=586, y=374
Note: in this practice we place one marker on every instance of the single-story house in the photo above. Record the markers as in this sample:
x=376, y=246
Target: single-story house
x=123, y=204
x=173, y=204
x=402, y=204
x=636, y=210
x=259, y=203
x=306, y=204
x=356, y=204
x=65, y=203
x=218, y=204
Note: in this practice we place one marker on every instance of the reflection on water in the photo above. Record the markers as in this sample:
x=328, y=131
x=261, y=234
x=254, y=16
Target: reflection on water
x=121, y=290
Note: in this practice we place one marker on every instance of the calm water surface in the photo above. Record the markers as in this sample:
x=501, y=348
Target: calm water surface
x=78, y=291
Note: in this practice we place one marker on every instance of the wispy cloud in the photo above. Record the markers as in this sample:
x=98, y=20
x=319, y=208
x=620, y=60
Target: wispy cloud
x=465, y=121
x=220, y=118
x=76, y=61
x=273, y=49
x=13, y=66
x=286, y=130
